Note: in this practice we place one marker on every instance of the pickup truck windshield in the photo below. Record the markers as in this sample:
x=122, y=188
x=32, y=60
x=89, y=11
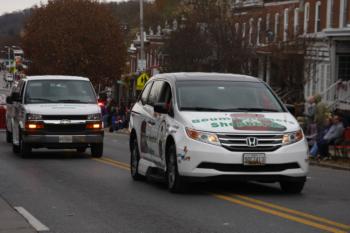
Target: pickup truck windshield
x=59, y=91
x=226, y=96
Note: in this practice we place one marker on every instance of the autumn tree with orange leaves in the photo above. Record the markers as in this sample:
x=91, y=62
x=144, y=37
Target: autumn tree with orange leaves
x=75, y=37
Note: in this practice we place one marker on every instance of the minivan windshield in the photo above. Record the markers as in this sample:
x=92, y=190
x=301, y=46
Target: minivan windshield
x=226, y=96
x=59, y=91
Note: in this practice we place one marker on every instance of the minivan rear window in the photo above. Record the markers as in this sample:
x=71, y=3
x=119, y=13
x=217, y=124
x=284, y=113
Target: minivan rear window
x=226, y=96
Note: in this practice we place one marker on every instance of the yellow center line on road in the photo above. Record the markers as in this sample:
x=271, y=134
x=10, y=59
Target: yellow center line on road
x=279, y=214
x=295, y=212
x=262, y=206
x=116, y=162
x=112, y=164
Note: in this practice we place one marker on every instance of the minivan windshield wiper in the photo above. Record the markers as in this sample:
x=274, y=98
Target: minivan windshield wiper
x=201, y=109
x=255, y=109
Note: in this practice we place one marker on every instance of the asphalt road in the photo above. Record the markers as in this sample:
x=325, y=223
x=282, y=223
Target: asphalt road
x=73, y=193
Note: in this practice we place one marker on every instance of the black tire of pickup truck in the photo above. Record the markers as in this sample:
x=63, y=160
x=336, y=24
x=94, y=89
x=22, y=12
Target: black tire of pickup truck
x=97, y=150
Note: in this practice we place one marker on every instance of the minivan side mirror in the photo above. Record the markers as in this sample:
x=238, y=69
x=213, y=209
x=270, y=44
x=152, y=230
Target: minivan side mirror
x=8, y=100
x=161, y=108
x=290, y=108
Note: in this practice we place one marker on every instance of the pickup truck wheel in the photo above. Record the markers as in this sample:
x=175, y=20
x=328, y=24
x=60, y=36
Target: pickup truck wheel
x=292, y=187
x=176, y=183
x=97, y=150
x=8, y=136
x=134, y=161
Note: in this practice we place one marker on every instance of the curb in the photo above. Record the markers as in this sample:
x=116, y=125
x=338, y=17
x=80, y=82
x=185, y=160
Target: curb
x=333, y=166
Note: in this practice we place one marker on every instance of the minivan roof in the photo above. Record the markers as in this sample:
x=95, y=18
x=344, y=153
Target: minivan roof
x=56, y=77
x=201, y=76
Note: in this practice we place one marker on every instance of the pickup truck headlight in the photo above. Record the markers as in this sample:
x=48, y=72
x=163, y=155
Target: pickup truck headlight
x=203, y=136
x=34, y=117
x=94, y=117
x=293, y=137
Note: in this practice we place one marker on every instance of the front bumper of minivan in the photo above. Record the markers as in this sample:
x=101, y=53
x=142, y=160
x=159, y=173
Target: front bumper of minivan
x=197, y=159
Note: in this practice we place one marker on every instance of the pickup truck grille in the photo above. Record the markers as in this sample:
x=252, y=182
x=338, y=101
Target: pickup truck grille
x=262, y=142
x=64, y=117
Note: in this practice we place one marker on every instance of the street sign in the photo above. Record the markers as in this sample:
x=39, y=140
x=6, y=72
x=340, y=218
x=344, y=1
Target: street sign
x=141, y=65
x=141, y=81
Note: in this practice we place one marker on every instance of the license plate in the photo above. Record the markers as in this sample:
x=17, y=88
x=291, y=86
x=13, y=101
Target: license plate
x=65, y=139
x=254, y=159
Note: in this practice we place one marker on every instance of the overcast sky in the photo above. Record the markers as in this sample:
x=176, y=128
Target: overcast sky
x=7, y=6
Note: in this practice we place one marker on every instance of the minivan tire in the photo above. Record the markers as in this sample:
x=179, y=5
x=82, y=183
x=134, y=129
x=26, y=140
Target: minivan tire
x=134, y=161
x=176, y=183
x=97, y=150
x=292, y=187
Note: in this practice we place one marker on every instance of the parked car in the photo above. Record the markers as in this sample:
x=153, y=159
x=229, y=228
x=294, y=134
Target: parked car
x=55, y=112
x=205, y=126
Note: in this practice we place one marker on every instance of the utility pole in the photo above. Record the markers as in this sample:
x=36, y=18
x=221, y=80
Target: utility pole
x=142, y=34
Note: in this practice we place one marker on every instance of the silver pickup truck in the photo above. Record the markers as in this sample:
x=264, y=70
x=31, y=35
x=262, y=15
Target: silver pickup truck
x=54, y=112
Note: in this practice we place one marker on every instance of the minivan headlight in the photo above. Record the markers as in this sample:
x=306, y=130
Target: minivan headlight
x=203, y=136
x=94, y=117
x=293, y=137
x=34, y=117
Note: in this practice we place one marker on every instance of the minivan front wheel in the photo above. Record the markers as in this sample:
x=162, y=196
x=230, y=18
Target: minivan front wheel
x=292, y=187
x=134, y=161
x=176, y=184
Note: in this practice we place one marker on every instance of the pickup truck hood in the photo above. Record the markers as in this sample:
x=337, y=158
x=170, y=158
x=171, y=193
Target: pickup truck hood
x=62, y=109
x=241, y=122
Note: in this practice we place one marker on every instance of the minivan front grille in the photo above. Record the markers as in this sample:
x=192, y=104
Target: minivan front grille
x=258, y=142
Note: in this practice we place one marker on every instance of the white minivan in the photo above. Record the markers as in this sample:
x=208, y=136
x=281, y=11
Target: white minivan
x=191, y=127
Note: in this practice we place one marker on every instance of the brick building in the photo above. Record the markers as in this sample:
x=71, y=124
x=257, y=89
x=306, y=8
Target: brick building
x=314, y=35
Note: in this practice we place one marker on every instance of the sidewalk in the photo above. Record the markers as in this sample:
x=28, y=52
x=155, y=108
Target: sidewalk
x=11, y=221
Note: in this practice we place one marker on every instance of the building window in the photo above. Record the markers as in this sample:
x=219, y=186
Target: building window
x=344, y=67
x=258, y=32
x=277, y=22
x=243, y=30
x=285, y=25
x=268, y=31
x=306, y=16
x=251, y=28
x=318, y=17
x=296, y=21
x=329, y=13
x=344, y=13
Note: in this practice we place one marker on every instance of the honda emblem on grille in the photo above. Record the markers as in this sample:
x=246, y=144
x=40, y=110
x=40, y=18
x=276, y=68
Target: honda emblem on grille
x=65, y=122
x=252, y=142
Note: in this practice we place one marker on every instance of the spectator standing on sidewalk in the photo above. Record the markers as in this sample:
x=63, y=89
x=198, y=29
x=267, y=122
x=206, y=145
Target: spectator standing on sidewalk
x=310, y=125
x=334, y=133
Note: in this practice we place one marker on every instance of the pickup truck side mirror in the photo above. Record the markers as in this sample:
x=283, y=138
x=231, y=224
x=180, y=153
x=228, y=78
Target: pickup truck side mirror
x=8, y=100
